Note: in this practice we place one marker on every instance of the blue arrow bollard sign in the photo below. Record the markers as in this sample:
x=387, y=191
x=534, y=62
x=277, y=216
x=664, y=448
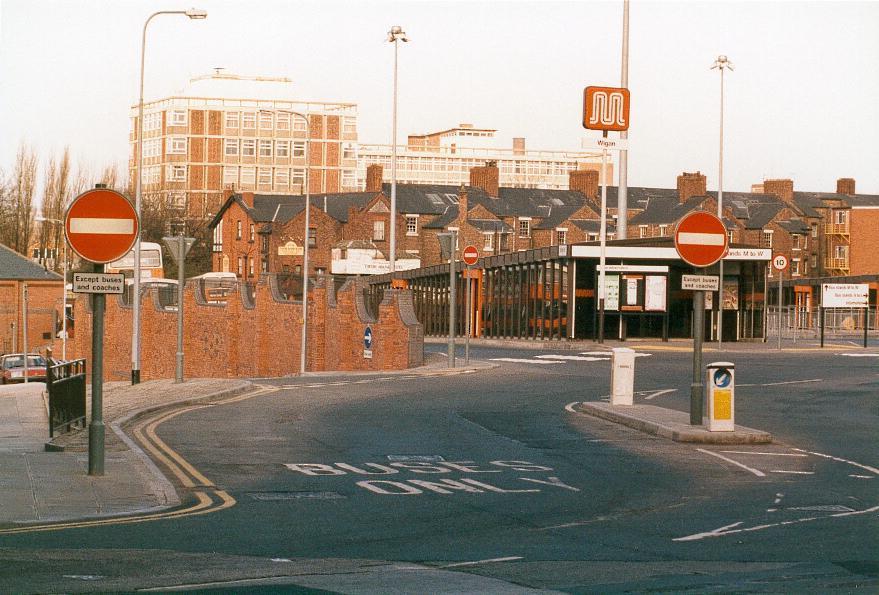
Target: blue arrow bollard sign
x=367, y=343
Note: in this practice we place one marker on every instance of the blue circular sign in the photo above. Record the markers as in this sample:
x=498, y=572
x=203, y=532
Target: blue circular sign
x=722, y=378
x=367, y=338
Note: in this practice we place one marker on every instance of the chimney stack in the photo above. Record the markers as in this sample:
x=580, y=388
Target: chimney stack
x=585, y=181
x=463, y=205
x=247, y=198
x=519, y=145
x=486, y=177
x=783, y=189
x=845, y=186
x=691, y=184
x=374, y=178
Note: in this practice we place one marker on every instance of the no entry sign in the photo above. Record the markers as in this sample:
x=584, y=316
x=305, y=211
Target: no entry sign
x=101, y=225
x=700, y=239
x=470, y=255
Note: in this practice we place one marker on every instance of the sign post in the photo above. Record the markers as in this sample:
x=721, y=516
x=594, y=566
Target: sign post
x=846, y=295
x=448, y=244
x=779, y=263
x=179, y=247
x=470, y=256
x=701, y=240
x=100, y=226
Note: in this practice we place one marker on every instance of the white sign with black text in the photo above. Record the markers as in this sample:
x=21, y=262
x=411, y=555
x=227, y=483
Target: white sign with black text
x=700, y=282
x=98, y=283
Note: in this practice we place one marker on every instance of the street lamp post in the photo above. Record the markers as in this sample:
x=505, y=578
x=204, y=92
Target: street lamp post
x=722, y=63
x=192, y=13
x=395, y=35
x=302, y=345
x=63, y=291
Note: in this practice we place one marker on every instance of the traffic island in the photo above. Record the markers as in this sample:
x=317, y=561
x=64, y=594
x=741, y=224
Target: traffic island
x=671, y=424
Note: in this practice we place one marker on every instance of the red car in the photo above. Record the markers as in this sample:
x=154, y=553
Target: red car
x=12, y=368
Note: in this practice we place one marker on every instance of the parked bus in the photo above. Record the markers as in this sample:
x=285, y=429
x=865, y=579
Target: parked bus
x=150, y=262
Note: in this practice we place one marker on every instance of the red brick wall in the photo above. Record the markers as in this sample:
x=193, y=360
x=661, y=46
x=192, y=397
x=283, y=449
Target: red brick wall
x=691, y=184
x=864, y=256
x=240, y=339
x=44, y=309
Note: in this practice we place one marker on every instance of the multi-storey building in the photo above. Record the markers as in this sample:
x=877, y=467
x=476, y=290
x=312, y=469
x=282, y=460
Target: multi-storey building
x=446, y=157
x=228, y=132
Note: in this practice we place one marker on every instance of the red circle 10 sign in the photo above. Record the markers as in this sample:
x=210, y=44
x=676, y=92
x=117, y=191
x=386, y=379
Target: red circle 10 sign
x=779, y=262
x=470, y=255
x=700, y=239
x=101, y=225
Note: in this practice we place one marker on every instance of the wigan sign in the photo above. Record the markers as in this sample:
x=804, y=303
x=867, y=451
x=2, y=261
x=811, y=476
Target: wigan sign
x=606, y=108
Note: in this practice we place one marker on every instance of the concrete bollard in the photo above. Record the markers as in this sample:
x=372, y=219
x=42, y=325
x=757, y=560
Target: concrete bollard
x=622, y=378
x=720, y=408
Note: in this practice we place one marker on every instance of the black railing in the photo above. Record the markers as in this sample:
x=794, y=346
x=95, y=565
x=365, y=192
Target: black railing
x=65, y=383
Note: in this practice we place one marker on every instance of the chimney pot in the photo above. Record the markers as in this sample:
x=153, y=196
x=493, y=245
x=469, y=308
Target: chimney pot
x=783, y=189
x=374, y=175
x=585, y=181
x=845, y=186
x=487, y=178
x=691, y=184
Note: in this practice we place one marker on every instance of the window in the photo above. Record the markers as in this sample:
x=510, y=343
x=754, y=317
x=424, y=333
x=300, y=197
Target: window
x=250, y=266
x=524, y=228
x=840, y=251
x=312, y=237
x=240, y=266
x=349, y=125
x=729, y=236
x=299, y=148
x=248, y=120
x=265, y=148
x=814, y=230
x=248, y=176
x=282, y=121
x=282, y=148
x=504, y=241
x=411, y=225
x=177, y=200
x=795, y=267
x=252, y=232
x=231, y=119
x=218, y=237
x=264, y=176
x=642, y=231
x=282, y=177
x=265, y=120
x=766, y=241
x=298, y=124
x=177, y=173
x=795, y=241
x=348, y=151
x=348, y=179
x=231, y=146
x=561, y=236
x=378, y=231
x=230, y=174
x=177, y=145
x=238, y=226
x=839, y=217
x=178, y=117
x=488, y=242
x=298, y=178
x=663, y=230
x=248, y=147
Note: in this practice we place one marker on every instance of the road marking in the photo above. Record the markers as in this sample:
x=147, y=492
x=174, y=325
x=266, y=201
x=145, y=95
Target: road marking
x=551, y=481
x=570, y=407
x=818, y=454
x=859, y=354
x=729, y=530
x=783, y=383
x=729, y=460
x=862, y=476
x=660, y=393
x=489, y=561
x=768, y=454
x=577, y=358
x=793, y=472
x=524, y=361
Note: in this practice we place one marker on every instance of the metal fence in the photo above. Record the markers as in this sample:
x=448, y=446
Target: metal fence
x=65, y=383
x=838, y=322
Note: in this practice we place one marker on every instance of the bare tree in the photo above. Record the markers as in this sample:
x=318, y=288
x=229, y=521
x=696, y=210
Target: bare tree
x=56, y=197
x=19, y=201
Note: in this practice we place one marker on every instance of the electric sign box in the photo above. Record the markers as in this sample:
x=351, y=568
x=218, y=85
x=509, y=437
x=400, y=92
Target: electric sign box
x=720, y=409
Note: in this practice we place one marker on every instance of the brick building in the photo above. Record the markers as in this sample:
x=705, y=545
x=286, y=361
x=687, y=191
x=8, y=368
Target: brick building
x=43, y=303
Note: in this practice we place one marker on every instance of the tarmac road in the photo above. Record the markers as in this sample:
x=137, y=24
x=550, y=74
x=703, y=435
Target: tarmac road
x=485, y=482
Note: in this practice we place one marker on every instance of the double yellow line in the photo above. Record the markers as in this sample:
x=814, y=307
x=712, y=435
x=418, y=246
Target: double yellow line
x=207, y=497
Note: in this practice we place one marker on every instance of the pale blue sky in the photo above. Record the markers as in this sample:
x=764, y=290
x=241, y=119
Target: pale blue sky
x=803, y=101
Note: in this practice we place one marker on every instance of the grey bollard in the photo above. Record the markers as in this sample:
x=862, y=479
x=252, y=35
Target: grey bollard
x=622, y=378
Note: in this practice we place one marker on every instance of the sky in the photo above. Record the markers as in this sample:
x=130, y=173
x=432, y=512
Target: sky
x=801, y=103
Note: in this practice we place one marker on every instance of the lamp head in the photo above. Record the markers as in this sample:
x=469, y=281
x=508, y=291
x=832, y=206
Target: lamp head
x=397, y=33
x=197, y=13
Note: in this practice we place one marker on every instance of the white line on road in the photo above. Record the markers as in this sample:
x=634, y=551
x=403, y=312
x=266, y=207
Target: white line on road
x=818, y=454
x=660, y=393
x=768, y=454
x=578, y=358
x=524, y=361
x=783, y=383
x=756, y=472
x=570, y=407
x=859, y=354
x=794, y=472
x=476, y=562
x=862, y=476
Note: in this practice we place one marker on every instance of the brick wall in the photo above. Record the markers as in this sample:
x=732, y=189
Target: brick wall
x=783, y=189
x=486, y=177
x=585, y=181
x=864, y=256
x=44, y=312
x=691, y=184
x=245, y=338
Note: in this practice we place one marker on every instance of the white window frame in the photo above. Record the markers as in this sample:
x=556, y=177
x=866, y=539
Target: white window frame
x=232, y=120
x=795, y=241
x=840, y=217
x=663, y=230
x=248, y=120
x=766, y=240
x=252, y=232
x=378, y=230
x=488, y=241
x=349, y=125
x=524, y=227
x=282, y=121
x=176, y=173
x=265, y=148
x=840, y=251
x=411, y=225
x=248, y=175
x=299, y=124
x=230, y=147
x=266, y=121
x=561, y=234
x=248, y=147
x=230, y=174
x=282, y=149
x=282, y=177
x=642, y=231
x=349, y=151
x=297, y=177
x=176, y=145
x=795, y=267
x=218, y=237
x=298, y=148
x=264, y=176
x=179, y=117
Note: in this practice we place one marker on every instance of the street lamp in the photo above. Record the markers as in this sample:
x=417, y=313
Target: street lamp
x=394, y=35
x=195, y=14
x=722, y=63
x=63, y=291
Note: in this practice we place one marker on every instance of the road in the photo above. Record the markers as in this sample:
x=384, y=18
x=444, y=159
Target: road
x=486, y=482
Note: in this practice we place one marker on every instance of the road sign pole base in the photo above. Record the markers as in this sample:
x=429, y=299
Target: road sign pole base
x=135, y=377
x=96, y=448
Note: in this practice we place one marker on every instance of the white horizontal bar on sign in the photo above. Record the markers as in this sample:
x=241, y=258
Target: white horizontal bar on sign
x=101, y=225
x=701, y=239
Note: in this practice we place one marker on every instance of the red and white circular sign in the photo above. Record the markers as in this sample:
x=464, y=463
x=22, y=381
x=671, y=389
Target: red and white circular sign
x=470, y=255
x=700, y=239
x=101, y=225
x=779, y=262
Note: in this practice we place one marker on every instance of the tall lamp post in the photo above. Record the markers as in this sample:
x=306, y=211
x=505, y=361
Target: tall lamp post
x=63, y=291
x=395, y=35
x=192, y=13
x=305, y=247
x=722, y=63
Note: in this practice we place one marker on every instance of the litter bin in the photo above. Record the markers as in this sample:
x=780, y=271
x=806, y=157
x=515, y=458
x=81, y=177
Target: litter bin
x=622, y=379
x=720, y=408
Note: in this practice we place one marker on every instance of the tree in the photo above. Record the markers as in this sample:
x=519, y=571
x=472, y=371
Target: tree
x=18, y=201
x=56, y=196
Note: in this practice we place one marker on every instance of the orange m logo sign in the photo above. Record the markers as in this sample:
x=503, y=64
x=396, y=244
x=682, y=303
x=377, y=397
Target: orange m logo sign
x=606, y=108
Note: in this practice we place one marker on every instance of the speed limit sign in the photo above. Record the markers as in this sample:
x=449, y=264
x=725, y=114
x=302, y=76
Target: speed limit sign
x=779, y=262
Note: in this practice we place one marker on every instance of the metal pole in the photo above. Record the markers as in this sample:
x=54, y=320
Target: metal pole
x=181, y=254
x=469, y=303
x=96, y=427
x=780, y=303
x=24, y=301
x=393, y=239
x=64, y=308
x=821, y=309
x=697, y=387
x=303, y=344
x=720, y=216
x=452, y=297
x=623, y=188
x=602, y=236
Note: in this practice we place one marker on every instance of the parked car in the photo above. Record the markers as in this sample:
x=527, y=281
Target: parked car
x=12, y=368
